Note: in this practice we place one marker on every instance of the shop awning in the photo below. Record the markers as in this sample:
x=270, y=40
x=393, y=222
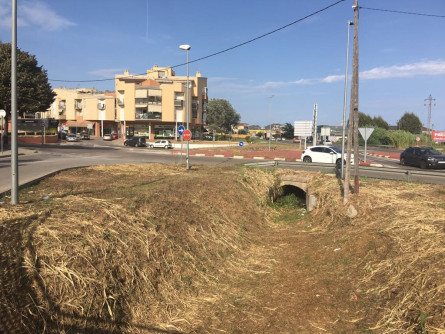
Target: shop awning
x=79, y=124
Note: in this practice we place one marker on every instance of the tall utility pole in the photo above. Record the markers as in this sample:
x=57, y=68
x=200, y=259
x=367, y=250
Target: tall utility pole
x=353, y=116
x=429, y=104
x=14, y=140
x=354, y=98
x=314, y=125
x=270, y=118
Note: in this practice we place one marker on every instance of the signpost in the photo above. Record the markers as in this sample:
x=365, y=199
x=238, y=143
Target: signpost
x=181, y=130
x=187, y=135
x=366, y=133
x=2, y=117
x=303, y=129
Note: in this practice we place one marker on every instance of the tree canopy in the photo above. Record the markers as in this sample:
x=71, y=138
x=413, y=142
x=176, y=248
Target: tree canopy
x=34, y=93
x=221, y=116
x=288, y=131
x=364, y=120
x=410, y=122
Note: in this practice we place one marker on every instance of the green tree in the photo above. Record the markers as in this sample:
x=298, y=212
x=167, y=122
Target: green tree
x=364, y=120
x=410, y=122
x=34, y=93
x=380, y=123
x=288, y=131
x=221, y=116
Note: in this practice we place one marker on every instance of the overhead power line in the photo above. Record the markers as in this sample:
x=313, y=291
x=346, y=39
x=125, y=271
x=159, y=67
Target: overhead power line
x=222, y=51
x=402, y=12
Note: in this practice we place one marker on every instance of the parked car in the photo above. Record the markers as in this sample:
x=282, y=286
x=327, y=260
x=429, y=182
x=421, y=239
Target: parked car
x=324, y=154
x=161, y=144
x=108, y=136
x=71, y=137
x=423, y=157
x=84, y=135
x=136, y=141
x=327, y=142
x=114, y=136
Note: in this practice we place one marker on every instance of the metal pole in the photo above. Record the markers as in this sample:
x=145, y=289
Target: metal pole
x=14, y=146
x=3, y=130
x=187, y=155
x=366, y=143
x=270, y=119
x=355, y=98
x=344, y=104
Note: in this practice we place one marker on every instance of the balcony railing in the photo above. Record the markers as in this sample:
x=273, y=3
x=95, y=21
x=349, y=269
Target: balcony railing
x=149, y=115
x=179, y=103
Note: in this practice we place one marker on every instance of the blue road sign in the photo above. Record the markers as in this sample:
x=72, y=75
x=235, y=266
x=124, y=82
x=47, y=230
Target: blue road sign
x=241, y=144
x=181, y=130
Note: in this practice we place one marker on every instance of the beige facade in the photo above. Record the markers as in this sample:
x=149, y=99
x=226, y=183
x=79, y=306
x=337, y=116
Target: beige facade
x=156, y=103
x=84, y=109
x=153, y=105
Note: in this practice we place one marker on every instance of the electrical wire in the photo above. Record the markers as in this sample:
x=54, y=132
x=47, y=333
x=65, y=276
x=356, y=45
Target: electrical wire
x=402, y=12
x=222, y=51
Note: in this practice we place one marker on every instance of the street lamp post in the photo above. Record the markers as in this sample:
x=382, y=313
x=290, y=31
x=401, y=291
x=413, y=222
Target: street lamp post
x=187, y=154
x=270, y=118
x=350, y=23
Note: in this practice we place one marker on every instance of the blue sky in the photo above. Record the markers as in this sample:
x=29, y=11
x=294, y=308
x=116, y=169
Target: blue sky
x=402, y=57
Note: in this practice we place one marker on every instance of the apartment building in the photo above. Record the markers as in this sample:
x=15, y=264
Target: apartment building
x=84, y=109
x=151, y=105
x=155, y=104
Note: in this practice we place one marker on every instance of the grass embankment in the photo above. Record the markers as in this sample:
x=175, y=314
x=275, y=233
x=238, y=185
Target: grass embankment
x=155, y=249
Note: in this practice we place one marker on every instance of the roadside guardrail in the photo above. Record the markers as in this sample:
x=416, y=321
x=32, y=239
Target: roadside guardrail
x=409, y=175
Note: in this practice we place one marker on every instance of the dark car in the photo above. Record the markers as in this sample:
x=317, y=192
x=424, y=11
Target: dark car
x=423, y=157
x=84, y=135
x=136, y=141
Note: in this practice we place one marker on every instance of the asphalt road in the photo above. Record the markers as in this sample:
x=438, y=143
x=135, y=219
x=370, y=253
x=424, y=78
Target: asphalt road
x=39, y=161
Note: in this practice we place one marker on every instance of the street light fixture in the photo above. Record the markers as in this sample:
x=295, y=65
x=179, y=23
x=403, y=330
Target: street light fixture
x=270, y=121
x=187, y=48
x=350, y=23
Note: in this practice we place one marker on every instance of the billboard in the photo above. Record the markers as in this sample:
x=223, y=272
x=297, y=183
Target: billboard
x=439, y=136
x=302, y=128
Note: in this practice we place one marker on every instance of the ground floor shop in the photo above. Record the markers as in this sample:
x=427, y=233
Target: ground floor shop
x=153, y=130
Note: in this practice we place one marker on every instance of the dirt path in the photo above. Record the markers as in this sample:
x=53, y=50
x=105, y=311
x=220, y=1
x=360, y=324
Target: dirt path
x=311, y=287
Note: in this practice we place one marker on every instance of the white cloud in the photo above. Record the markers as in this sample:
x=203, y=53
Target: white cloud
x=107, y=73
x=436, y=67
x=33, y=14
x=428, y=68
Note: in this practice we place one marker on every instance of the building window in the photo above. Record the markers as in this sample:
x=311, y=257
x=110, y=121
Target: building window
x=141, y=113
x=154, y=115
x=155, y=99
x=141, y=100
x=195, y=105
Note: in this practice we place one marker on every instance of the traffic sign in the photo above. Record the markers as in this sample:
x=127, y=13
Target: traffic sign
x=187, y=135
x=366, y=133
x=2, y=113
x=241, y=144
x=417, y=139
x=181, y=130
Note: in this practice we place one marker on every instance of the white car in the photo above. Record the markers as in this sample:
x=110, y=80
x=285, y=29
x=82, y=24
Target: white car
x=161, y=144
x=324, y=154
x=71, y=137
